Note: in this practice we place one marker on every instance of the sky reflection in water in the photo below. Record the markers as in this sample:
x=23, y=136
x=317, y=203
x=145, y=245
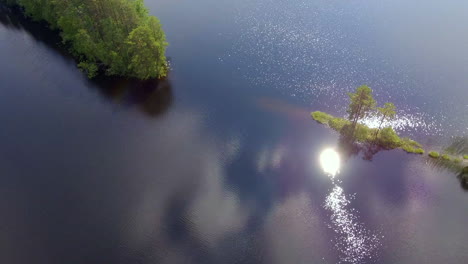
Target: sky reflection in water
x=354, y=242
x=209, y=179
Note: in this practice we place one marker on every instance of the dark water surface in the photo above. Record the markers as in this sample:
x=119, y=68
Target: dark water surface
x=221, y=162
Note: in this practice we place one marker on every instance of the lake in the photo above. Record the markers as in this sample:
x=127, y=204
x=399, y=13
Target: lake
x=221, y=162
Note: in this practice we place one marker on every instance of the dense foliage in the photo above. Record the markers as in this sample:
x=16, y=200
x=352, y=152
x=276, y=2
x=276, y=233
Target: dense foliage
x=117, y=36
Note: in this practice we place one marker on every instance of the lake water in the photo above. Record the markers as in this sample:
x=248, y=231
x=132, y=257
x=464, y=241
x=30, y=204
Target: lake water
x=221, y=163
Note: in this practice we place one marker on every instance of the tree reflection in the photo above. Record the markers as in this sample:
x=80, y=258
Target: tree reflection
x=457, y=168
x=458, y=146
x=463, y=178
x=350, y=148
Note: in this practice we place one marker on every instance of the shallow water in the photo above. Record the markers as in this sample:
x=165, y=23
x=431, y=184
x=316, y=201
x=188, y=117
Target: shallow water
x=221, y=162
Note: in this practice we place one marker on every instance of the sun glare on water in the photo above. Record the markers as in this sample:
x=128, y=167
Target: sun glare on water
x=353, y=240
x=330, y=161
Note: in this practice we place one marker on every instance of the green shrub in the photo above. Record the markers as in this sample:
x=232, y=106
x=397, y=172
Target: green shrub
x=465, y=157
x=434, y=154
x=388, y=138
x=410, y=149
x=321, y=117
x=411, y=146
x=446, y=157
x=337, y=123
x=419, y=151
x=90, y=69
x=457, y=160
x=362, y=133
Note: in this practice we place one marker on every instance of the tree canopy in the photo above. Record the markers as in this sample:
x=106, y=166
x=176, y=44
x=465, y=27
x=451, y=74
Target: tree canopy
x=116, y=36
x=387, y=113
x=362, y=103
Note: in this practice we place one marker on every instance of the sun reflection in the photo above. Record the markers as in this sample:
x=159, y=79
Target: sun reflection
x=330, y=161
x=353, y=240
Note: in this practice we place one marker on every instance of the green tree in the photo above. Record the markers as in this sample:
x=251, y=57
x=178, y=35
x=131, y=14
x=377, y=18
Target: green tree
x=387, y=113
x=118, y=37
x=146, y=53
x=362, y=103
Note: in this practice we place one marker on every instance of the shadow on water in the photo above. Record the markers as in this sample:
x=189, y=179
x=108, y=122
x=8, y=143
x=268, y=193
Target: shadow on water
x=153, y=97
x=350, y=148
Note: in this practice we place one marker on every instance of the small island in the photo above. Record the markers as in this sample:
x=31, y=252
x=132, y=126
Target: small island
x=362, y=105
x=117, y=37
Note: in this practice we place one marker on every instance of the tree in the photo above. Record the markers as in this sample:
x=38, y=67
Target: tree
x=387, y=113
x=146, y=54
x=118, y=37
x=362, y=103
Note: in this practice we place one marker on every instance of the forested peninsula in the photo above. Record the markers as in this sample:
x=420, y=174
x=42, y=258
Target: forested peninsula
x=117, y=37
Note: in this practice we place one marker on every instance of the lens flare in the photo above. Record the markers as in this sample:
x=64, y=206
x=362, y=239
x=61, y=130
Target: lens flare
x=330, y=161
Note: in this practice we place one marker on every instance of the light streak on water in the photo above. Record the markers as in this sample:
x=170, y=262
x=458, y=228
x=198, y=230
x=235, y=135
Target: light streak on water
x=407, y=122
x=354, y=242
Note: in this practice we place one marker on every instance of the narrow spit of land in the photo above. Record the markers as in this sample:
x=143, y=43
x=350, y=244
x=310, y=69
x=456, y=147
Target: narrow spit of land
x=386, y=138
x=362, y=104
